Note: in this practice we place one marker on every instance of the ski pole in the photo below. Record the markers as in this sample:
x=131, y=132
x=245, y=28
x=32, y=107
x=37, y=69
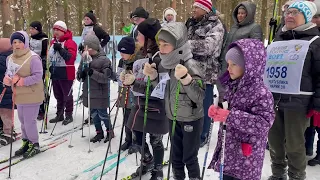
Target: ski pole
x=224, y=133
x=174, y=120
x=89, y=107
x=273, y=28
x=12, y=126
x=83, y=122
x=46, y=106
x=2, y=93
x=216, y=101
x=145, y=119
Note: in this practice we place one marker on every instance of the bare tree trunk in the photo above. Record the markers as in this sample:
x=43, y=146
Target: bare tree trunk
x=90, y=5
x=60, y=10
x=143, y=3
x=264, y=18
x=6, y=21
x=174, y=4
x=104, y=14
x=66, y=12
x=80, y=16
x=17, y=15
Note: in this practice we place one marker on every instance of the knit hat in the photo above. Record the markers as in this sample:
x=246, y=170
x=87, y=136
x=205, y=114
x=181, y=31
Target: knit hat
x=149, y=28
x=5, y=45
x=140, y=12
x=92, y=41
x=91, y=15
x=307, y=8
x=169, y=11
x=61, y=26
x=127, y=45
x=235, y=55
x=37, y=25
x=167, y=37
x=22, y=36
x=317, y=3
x=204, y=4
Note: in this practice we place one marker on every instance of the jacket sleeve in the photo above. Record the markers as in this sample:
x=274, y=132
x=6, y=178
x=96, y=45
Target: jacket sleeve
x=141, y=86
x=195, y=90
x=259, y=121
x=102, y=35
x=211, y=44
x=104, y=76
x=256, y=32
x=36, y=71
x=315, y=69
x=69, y=52
x=44, y=49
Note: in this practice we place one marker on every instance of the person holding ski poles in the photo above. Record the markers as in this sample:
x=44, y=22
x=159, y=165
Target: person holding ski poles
x=6, y=99
x=96, y=66
x=298, y=99
x=39, y=45
x=24, y=75
x=130, y=52
x=250, y=114
x=62, y=54
x=157, y=123
x=176, y=58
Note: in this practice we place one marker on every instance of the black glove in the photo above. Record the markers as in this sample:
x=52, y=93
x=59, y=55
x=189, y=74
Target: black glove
x=80, y=76
x=273, y=22
x=88, y=71
x=80, y=48
x=57, y=46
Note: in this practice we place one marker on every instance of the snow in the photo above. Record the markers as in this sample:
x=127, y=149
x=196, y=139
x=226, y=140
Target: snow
x=8, y=22
x=62, y=162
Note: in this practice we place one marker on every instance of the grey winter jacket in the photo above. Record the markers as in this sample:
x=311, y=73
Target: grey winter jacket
x=246, y=29
x=206, y=38
x=102, y=71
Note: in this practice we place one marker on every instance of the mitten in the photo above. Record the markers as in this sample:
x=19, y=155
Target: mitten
x=129, y=79
x=57, y=46
x=149, y=70
x=272, y=22
x=15, y=79
x=217, y=114
x=212, y=111
x=7, y=80
x=20, y=82
x=181, y=73
x=122, y=75
x=246, y=149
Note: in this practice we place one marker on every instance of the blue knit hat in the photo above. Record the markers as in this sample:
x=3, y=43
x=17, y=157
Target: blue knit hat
x=127, y=45
x=22, y=36
x=307, y=8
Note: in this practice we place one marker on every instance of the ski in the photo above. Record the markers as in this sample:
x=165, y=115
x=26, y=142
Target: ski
x=109, y=168
x=64, y=133
x=101, y=162
x=41, y=151
x=14, y=157
x=135, y=175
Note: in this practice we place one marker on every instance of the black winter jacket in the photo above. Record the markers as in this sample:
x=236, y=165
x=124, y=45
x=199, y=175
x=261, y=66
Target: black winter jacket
x=7, y=98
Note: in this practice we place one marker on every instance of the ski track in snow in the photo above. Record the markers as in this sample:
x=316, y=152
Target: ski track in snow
x=62, y=162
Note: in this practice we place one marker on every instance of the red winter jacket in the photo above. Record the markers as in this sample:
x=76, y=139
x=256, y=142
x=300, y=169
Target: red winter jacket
x=69, y=54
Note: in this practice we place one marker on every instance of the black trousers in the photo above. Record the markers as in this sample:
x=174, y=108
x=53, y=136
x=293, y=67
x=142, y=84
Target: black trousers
x=225, y=177
x=185, y=146
x=128, y=131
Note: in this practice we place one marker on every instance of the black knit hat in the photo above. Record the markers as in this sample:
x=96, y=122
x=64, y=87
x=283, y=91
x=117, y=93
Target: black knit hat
x=127, y=45
x=91, y=15
x=37, y=25
x=140, y=12
x=149, y=28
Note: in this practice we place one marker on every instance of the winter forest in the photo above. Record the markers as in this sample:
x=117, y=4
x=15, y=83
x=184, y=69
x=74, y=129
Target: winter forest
x=15, y=14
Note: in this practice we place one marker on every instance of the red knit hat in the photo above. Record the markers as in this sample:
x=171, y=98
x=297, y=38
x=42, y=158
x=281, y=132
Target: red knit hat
x=204, y=4
x=61, y=26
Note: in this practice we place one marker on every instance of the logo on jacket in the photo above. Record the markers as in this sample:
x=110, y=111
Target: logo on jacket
x=188, y=128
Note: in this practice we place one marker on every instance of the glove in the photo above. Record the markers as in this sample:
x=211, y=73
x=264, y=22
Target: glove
x=20, y=82
x=80, y=48
x=149, y=70
x=88, y=71
x=15, y=79
x=316, y=117
x=129, y=79
x=272, y=22
x=218, y=114
x=79, y=76
x=246, y=149
x=7, y=80
x=181, y=73
x=122, y=75
x=57, y=46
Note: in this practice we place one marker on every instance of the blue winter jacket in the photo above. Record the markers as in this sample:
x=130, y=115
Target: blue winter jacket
x=7, y=98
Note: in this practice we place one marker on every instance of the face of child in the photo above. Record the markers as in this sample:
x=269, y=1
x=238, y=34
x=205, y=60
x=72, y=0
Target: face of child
x=17, y=44
x=235, y=71
x=169, y=17
x=125, y=56
x=87, y=21
x=33, y=31
x=140, y=39
x=57, y=33
x=92, y=52
x=165, y=47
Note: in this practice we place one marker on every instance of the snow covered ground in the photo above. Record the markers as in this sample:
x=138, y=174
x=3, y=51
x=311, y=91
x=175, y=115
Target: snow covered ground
x=63, y=163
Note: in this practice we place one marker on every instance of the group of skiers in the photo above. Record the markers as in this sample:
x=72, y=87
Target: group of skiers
x=166, y=78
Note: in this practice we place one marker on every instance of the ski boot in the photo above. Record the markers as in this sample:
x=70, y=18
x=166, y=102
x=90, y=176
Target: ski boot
x=23, y=149
x=315, y=161
x=58, y=118
x=97, y=138
x=40, y=116
x=6, y=139
x=126, y=145
x=69, y=119
x=133, y=149
x=33, y=150
x=146, y=167
x=157, y=174
x=284, y=177
x=109, y=136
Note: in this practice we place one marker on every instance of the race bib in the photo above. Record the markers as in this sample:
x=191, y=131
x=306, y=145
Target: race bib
x=55, y=58
x=159, y=90
x=285, y=61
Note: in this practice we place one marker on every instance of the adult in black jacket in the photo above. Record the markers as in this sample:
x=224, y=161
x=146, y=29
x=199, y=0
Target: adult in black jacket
x=6, y=103
x=91, y=24
x=286, y=137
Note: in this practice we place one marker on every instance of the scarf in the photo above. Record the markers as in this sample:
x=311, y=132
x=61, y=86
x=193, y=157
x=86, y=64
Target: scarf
x=172, y=59
x=303, y=27
x=17, y=53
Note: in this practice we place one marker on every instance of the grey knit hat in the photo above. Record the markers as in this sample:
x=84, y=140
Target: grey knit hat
x=92, y=41
x=236, y=56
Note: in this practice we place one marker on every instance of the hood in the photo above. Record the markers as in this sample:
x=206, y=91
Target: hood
x=39, y=36
x=174, y=15
x=251, y=11
x=178, y=30
x=66, y=36
x=255, y=60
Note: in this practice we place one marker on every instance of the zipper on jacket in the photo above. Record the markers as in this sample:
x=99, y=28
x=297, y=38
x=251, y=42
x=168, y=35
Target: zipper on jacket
x=277, y=107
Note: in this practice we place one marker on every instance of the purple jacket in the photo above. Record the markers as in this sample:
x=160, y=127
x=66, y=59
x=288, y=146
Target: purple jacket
x=251, y=115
